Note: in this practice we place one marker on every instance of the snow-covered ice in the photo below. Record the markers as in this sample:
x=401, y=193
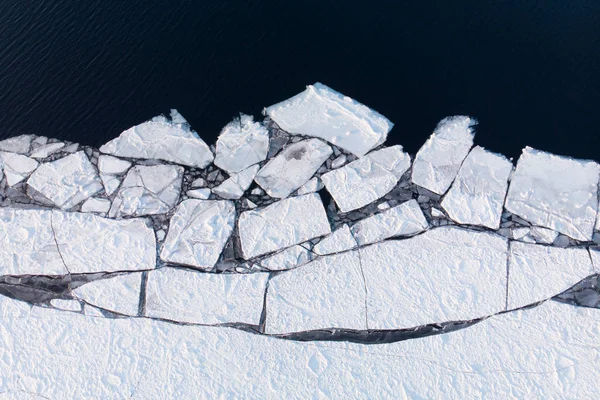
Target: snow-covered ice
x=202, y=298
x=340, y=240
x=198, y=232
x=438, y=161
x=202, y=194
x=543, y=235
x=367, y=179
x=537, y=272
x=16, y=167
x=293, y=167
x=326, y=293
x=242, y=143
x=112, y=165
x=313, y=185
x=47, y=150
x=96, y=205
x=110, y=182
x=555, y=192
x=322, y=112
x=445, y=274
x=477, y=195
x=18, y=144
x=403, y=220
x=234, y=187
x=162, y=139
x=119, y=294
x=67, y=181
x=282, y=224
x=148, y=190
x=289, y=258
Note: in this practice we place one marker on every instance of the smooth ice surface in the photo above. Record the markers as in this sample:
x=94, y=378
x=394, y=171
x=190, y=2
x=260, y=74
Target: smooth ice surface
x=202, y=298
x=110, y=182
x=326, y=293
x=67, y=181
x=293, y=167
x=477, y=195
x=234, y=187
x=148, y=190
x=46, y=150
x=438, y=161
x=112, y=165
x=198, y=232
x=324, y=113
x=313, y=185
x=119, y=294
x=282, y=224
x=339, y=240
x=96, y=205
x=241, y=144
x=202, y=194
x=403, y=220
x=162, y=139
x=555, y=192
x=537, y=272
x=367, y=179
x=16, y=167
x=543, y=235
x=445, y=274
x=87, y=243
x=286, y=259
x=18, y=144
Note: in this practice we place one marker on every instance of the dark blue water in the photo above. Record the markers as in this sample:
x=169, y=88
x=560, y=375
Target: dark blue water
x=86, y=70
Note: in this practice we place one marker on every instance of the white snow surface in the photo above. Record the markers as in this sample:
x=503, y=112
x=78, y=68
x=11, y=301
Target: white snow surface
x=477, y=195
x=47, y=150
x=110, y=182
x=543, y=235
x=282, y=224
x=67, y=181
x=87, y=243
x=18, y=144
x=119, y=294
x=340, y=240
x=203, y=193
x=326, y=293
x=445, y=274
x=198, y=232
x=162, y=139
x=555, y=192
x=313, y=185
x=148, y=190
x=293, y=167
x=438, y=161
x=402, y=220
x=537, y=272
x=322, y=112
x=241, y=143
x=202, y=298
x=234, y=187
x=287, y=259
x=112, y=165
x=16, y=167
x=96, y=205
x=367, y=179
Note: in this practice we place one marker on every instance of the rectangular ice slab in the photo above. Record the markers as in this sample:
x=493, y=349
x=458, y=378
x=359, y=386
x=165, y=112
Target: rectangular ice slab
x=367, y=179
x=324, y=113
x=555, y=192
x=282, y=224
x=198, y=231
x=403, y=220
x=293, y=167
x=202, y=298
x=438, y=161
x=162, y=139
x=537, y=272
x=67, y=181
x=477, y=194
x=87, y=243
x=326, y=293
x=445, y=274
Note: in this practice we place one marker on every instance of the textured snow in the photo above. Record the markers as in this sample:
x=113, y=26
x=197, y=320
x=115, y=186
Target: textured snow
x=326, y=293
x=18, y=144
x=324, y=113
x=339, y=240
x=477, y=194
x=282, y=224
x=367, y=179
x=438, y=161
x=201, y=298
x=234, y=187
x=403, y=220
x=47, y=150
x=112, y=165
x=537, y=272
x=87, y=243
x=198, y=232
x=287, y=259
x=66, y=305
x=110, y=182
x=202, y=194
x=67, y=181
x=313, y=185
x=119, y=294
x=445, y=274
x=16, y=167
x=148, y=190
x=162, y=139
x=96, y=205
x=555, y=192
x=293, y=167
x=241, y=144
x=543, y=235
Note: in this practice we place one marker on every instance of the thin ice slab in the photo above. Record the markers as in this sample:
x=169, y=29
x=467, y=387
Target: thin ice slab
x=282, y=224
x=289, y=258
x=234, y=187
x=445, y=274
x=339, y=240
x=16, y=167
x=324, y=113
x=555, y=192
x=202, y=298
x=120, y=294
